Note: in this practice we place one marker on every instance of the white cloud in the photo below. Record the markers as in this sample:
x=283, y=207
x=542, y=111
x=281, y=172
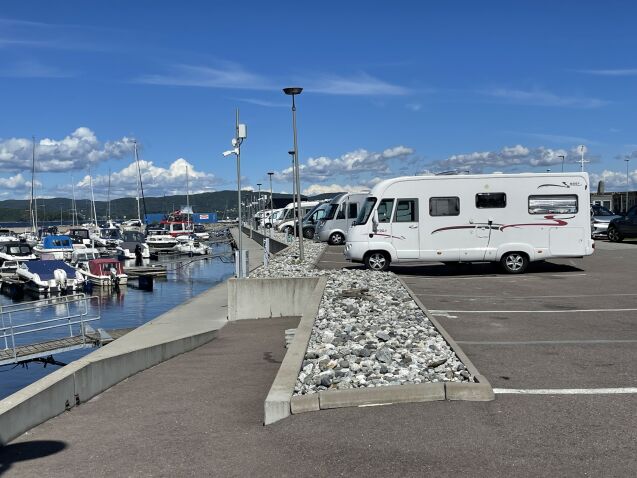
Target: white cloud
x=15, y=182
x=231, y=75
x=507, y=158
x=543, y=98
x=156, y=180
x=75, y=151
x=615, y=180
x=315, y=189
x=351, y=164
x=33, y=69
x=612, y=72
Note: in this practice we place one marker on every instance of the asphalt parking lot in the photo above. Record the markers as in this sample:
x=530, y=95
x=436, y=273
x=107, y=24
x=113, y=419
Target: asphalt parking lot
x=558, y=344
x=561, y=337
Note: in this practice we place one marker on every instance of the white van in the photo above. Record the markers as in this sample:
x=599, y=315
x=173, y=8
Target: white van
x=286, y=221
x=342, y=212
x=509, y=218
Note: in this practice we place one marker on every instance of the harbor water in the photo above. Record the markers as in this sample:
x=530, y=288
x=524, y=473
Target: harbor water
x=129, y=307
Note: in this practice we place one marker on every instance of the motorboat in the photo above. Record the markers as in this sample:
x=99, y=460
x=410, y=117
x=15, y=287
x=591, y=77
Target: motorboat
x=84, y=255
x=16, y=251
x=199, y=230
x=192, y=246
x=55, y=246
x=9, y=269
x=50, y=276
x=104, y=272
x=7, y=235
x=130, y=240
x=111, y=237
x=160, y=240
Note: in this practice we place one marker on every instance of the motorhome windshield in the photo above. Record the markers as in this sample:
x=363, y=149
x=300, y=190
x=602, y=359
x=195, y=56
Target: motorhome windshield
x=330, y=211
x=365, y=211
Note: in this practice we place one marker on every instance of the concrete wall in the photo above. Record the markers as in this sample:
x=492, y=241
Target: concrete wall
x=264, y=298
x=275, y=246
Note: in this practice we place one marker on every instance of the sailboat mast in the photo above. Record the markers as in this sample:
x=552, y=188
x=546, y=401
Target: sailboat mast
x=33, y=205
x=92, y=198
x=109, y=194
x=187, y=199
x=139, y=213
x=73, y=204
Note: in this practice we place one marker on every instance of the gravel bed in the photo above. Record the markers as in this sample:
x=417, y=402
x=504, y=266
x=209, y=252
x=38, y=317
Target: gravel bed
x=369, y=332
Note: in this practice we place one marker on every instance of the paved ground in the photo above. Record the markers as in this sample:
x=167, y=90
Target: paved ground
x=200, y=414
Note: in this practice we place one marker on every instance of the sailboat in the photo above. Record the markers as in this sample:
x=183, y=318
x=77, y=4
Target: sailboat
x=31, y=237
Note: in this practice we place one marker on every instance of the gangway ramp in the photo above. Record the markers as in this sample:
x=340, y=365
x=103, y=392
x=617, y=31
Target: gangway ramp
x=33, y=330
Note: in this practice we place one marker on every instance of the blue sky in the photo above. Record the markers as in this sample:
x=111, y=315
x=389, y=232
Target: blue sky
x=391, y=88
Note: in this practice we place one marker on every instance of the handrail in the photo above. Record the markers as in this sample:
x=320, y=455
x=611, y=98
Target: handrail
x=12, y=328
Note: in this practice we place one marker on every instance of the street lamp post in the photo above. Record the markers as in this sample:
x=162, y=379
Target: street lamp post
x=627, y=182
x=562, y=156
x=240, y=134
x=293, y=91
x=259, y=203
x=271, y=204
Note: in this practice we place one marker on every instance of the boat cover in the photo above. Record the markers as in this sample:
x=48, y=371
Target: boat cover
x=45, y=269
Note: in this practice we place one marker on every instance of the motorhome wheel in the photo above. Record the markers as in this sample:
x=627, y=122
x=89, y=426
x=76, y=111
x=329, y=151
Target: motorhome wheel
x=336, y=239
x=514, y=262
x=377, y=261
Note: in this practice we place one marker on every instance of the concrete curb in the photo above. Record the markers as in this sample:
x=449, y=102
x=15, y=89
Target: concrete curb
x=478, y=391
x=278, y=401
x=407, y=393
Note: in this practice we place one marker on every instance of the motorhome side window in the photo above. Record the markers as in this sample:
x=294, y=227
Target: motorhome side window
x=444, y=206
x=491, y=200
x=353, y=210
x=385, y=209
x=341, y=212
x=553, y=204
x=406, y=210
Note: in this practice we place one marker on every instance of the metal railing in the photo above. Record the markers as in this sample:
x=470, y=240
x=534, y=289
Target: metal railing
x=15, y=329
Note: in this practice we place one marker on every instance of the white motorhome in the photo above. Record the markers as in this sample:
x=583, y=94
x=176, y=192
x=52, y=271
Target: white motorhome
x=508, y=218
x=287, y=220
x=342, y=212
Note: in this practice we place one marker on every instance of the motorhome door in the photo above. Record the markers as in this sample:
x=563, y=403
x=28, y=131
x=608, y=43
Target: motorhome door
x=405, y=229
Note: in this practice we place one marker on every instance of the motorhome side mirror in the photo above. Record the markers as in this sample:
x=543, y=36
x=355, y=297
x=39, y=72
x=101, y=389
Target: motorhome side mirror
x=353, y=223
x=375, y=221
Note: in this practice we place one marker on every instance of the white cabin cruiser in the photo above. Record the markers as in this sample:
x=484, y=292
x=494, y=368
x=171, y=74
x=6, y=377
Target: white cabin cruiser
x=16, y=251
x=55, y=246
x=50, y=277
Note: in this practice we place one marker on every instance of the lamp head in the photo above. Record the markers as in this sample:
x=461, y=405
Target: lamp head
x=293, y=90
x=291, y=152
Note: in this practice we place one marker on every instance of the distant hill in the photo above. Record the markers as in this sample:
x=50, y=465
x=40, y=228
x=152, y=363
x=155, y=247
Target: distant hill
x=222, y=202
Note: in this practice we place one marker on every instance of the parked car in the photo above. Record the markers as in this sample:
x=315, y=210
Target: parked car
x=600, y=218
x=623, y=227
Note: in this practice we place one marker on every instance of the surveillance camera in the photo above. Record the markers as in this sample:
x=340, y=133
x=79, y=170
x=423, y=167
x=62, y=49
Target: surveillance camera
x=228, y=153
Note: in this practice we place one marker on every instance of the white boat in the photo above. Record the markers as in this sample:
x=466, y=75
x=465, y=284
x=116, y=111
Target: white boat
x=9, y=269
x=159, y=240
x=7, y=235
x=55, y=246
x=192, y=247
x=104, y=272
x=50, y=277
x=84, y=255
x=16, y=251
x=130, y=240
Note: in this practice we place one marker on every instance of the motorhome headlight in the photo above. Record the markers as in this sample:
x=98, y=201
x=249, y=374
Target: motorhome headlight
x=321, y=223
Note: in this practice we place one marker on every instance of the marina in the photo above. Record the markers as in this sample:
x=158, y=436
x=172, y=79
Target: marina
x=174, y=280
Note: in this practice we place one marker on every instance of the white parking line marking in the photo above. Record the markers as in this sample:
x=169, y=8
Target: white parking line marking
x=565, y=391
x=533, y=297
x=482, y=277
x=575, y=311
x=547, y=342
